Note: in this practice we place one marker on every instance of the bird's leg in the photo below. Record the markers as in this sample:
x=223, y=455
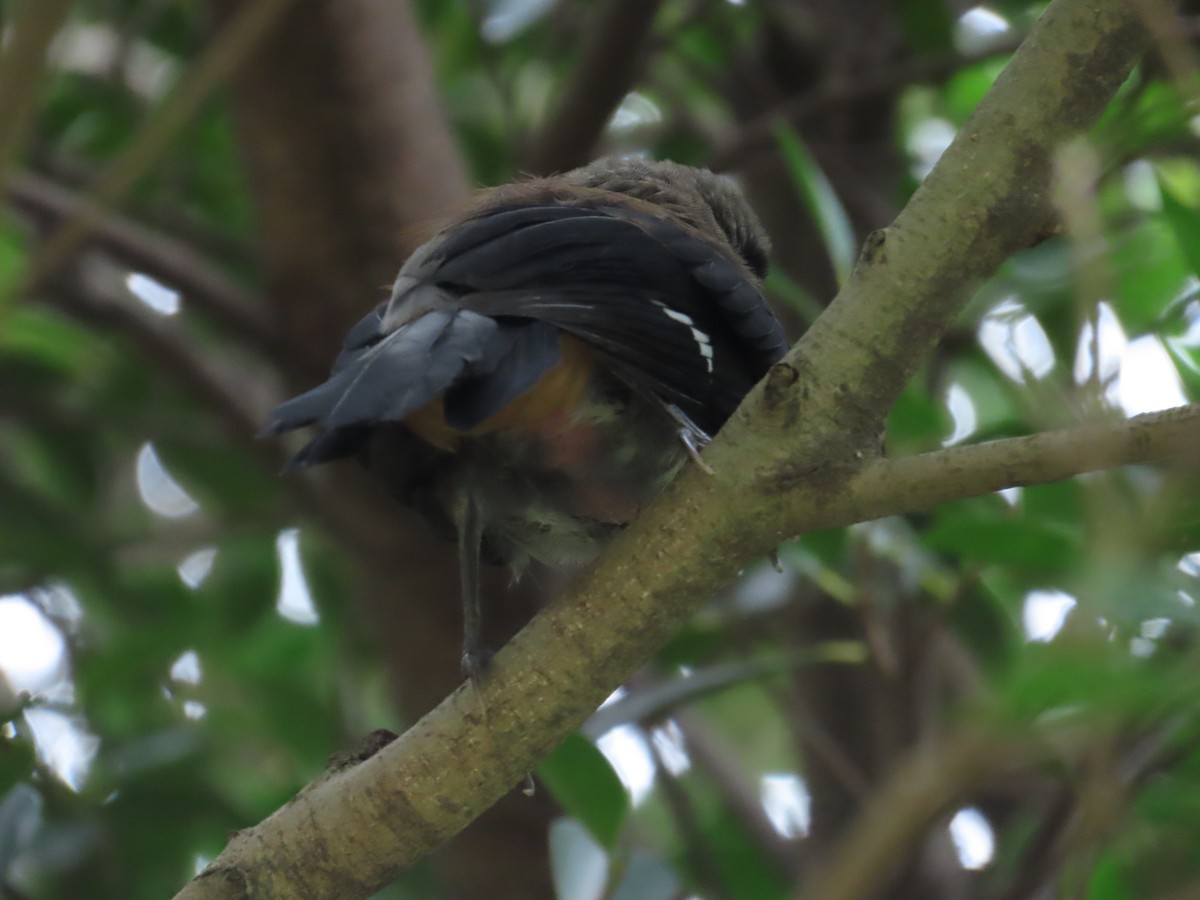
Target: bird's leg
x=692, y=436
x=475, y=656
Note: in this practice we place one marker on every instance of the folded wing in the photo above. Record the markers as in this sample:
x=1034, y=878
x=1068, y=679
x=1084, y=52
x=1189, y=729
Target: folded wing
x=476, y=316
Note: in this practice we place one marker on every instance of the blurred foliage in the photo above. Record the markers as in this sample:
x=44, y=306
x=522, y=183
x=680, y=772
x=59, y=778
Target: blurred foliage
x=172, y=694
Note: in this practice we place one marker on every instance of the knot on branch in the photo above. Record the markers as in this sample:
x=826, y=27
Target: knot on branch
x=874, y=249
x=778, y=387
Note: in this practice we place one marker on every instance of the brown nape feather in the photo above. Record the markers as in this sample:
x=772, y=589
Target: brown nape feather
x=709, y=202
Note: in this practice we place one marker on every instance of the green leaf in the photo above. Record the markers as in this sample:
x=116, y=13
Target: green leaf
x=779, y=286
x=732, y=853
x=829, y=546
x=1186, y=358
x=17, y=760
x=1184, y=221
x=1153, y=113
x=42, y=535
x=694, y=644
x=966, y=88
x=226, y=474
x=916, y=422
x=985, y=621
x=1151, y=272
x=1106, y=882
x=47, y=338
x=741, y=860
x=1063, y=502
x=927, y=25
x=821, y=201
x=987, y=532
x=59, y=461
x=996, y=415
x=1088, y=673
x=581, y=779
x=14, y=253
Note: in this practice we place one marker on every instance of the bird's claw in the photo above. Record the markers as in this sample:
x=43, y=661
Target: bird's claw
x=475, y=663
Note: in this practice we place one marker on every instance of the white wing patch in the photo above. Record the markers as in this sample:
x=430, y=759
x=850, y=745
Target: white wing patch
x=703, y=343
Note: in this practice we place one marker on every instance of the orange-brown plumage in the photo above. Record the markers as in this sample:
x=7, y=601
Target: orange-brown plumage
x=542, y=410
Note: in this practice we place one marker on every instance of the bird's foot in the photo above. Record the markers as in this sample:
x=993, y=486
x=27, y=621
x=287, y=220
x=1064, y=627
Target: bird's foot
x=475, y=663
x=695, y=442
x=692, y=436
x=476, y=660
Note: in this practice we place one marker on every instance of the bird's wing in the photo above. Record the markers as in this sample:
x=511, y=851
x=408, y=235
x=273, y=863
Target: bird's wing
x=661, y=304
x=478, y=311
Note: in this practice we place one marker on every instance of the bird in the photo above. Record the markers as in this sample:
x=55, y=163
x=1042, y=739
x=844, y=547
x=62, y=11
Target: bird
x=549, y=360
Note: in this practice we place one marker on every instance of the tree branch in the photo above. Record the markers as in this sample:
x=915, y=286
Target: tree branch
x=785, y=462
x=610, y=62
x=885, y=487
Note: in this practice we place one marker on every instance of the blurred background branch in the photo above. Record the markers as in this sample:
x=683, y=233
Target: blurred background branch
x=22, y=67
x=615, y=42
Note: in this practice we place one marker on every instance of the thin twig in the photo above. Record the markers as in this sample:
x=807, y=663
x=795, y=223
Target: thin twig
x=174, y=353
x=234, y=308
x=22, y=65
x=160, y=214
